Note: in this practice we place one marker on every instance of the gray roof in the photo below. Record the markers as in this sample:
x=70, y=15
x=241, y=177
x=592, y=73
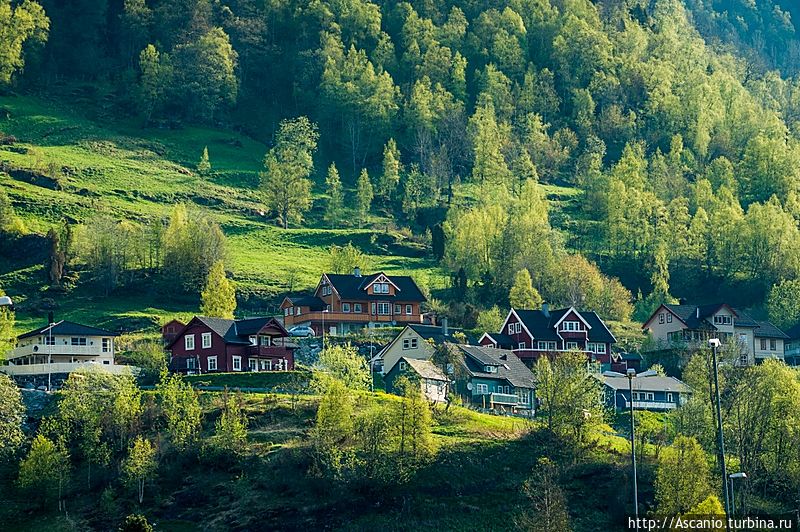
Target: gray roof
x=509, y=366
x=435, y=332
x=696, y=317
x=425, y=369
x=68, y=328
x=650, y=384
x=768, y=330
x=352, y=287
x=313, y=302
x=542, y=325
x=235, y=332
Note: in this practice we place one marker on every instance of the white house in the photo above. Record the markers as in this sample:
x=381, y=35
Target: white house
x=416, y=341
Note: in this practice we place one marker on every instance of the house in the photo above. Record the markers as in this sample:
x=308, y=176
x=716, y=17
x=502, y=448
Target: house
x=60, y=348
x=791, y=346
x=344, y=303
x=494, y=379
x=432, y=380
x=417, y=341
x=649, y=393
x=170, y=330
x=534, y=333
x=693, y=325
x=208, y=345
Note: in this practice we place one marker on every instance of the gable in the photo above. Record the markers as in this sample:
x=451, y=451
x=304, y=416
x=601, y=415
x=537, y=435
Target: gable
x=655, y=314
x=572, y=315
x=514, y=318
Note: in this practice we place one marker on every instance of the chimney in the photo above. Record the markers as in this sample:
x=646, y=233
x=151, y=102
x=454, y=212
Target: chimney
x=357, y=271
x=445, y=330
x=50, y=319
x=546, y=310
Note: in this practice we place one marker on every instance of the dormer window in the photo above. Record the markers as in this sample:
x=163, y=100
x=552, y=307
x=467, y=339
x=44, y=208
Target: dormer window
x=490, y=369
x=571, y=326
x=722, y=319
x=380, y=288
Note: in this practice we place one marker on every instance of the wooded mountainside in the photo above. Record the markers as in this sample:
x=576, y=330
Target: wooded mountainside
x=674, y=125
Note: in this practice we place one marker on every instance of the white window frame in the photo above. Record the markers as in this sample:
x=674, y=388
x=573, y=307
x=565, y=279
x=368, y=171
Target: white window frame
x=402, y=365
x=188, y=342
x=669, y=317
x=236, y=363
x=518, y=327
x=212, y=363
x=357, y=308
x=191, y=363
x=345, y=307
x=661, y=317
x=521, y=345
x=205, y=340
x=406, y=343
x=105, y=345
x=773, y=344
x=572, y=345
x=409, y=310
x=265, y=340
x=387, y=307
x=510, y=328
x=413, y=343
x=670, y=397
x=481, y=389
x=252, y=364
x=551, y=346
x=398, y=308
x=541, y=345
x=601, y=348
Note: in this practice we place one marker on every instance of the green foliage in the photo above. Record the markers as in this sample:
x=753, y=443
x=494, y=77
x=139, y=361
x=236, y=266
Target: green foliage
x=218, y=298
x=548, y=504
x=230, y=429
x=12, y=414
x=44, y=471
x=136, y=523
x=390, y=178
x=333, y=429
x=333, y=209
x=783, y=303
x=342, y=259
x=140, y=464
x=204, y=165
x=10, y=223
x=7, y=337
x=149, y=355
x=342, y=363
x=287, y=165
x=413, y=424
x=22, y=25
x=682, y=477
x=490, y=320
x=523, y=295
x=364, y=196
x=192, y=243
x=180, y=410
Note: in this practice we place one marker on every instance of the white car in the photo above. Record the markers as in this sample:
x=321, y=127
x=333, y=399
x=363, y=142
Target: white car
x=302, y=330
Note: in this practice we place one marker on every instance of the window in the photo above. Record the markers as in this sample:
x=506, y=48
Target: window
x=106, y=345
x=601, y=349
x=296, y=311
x=398, y=309
x=510, y=328
x=206, y=340
x=518, y=327
x=523, y=396
x=541, y=346
x=490, y=369
x=191, y=363
x=571, y=326
x=551, y=346
x=237, y=363
x=252, y=364
x=287, y=310
x=212, y=363
x=572, y=345
x=373, y=307
x=357, y=307
x=266, y=341
x=521, y=345
x=763, y=344
x=345, y=307
x=669, y=318
x=402, y=365
x=253, y=339
x=722, y=320
x=78, y=341
x=188, y=342
x=409, y=343
x=773, y=344
x=384, y=309
x=49, y=340
x=670, y=397
x=409, y=309
x=651, y=396
x=481, y=388
x=661, y=317
x=380, y=288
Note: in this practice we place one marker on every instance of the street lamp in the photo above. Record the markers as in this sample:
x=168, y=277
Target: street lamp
x=714, y=343
x=324, y=311
x=5, y=301
x=734, y=476
x=631, y=374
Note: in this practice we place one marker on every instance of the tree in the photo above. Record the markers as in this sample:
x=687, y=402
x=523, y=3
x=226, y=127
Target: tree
x=10, y=223
x=374, y=434
x=783, y=303
x=219, y=295
x=140, y=464
x=490, y=320
x=569, y=396
x=21, y=24
x=180, y=409
x=413, y=424
x=230, y=429
x=523, y=295
x=333, y=429
x=548, y=504
x=204, y=165
x=12, y=414
x=192, y=244
x=364, y=197
x=57, y=258
x=333, y=209
x=489, y=165
x=136, y=523
x=390, y=178
x=45, y=470
x=342, y=259
x=682, y=477
x=7, y=338
x=156, y=79
x=343, y=363
x=287, y=165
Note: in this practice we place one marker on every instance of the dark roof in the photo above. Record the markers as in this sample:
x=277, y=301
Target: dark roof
x=434, y=332
x=235, y=332
x=351, y=287
x=655, y=383
x=424, y=368
x=509, y=366
x=631, y=356
x=69, y=328
x=542, y=326
x=768, y=330
x=313, y=302
x=501, y=339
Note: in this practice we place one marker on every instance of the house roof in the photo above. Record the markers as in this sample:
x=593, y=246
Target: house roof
x=509, y=366
x=501, y=339
x=425, y=369
x=313, y=302
x=236, y=332
x=768, y=330
x=350, y=286
x=651, y=384
x=68, y=328
x=542, y=325
x=435, y=333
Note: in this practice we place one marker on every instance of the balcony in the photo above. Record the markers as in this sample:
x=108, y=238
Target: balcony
x=509, y=399
x=358, y=317
x=651, y=405
x=55, y=350
x=268, y=351
x=65, y=367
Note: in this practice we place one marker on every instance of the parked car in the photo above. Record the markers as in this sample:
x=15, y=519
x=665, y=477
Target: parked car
x=302, y=330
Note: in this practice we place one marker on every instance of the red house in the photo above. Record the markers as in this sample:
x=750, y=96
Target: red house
x=533, y=333
x=209, y=345
x=170, y=330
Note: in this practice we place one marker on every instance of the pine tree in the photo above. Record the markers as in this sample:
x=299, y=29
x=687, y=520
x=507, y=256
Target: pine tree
x=364, y=195
x=219, y=295
x=333, y=210
x=204, y=166
x=389, y=179
x=523, y=295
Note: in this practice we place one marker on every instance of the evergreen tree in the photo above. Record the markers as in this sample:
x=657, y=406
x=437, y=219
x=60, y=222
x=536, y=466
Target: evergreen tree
x=523, y=295
x=333, y=209
x=204, y=165
x=219, y=295
x=364, y=197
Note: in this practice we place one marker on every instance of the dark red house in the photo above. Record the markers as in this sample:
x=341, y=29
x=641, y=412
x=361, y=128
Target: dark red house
x=534, y=333
x=210, y=345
